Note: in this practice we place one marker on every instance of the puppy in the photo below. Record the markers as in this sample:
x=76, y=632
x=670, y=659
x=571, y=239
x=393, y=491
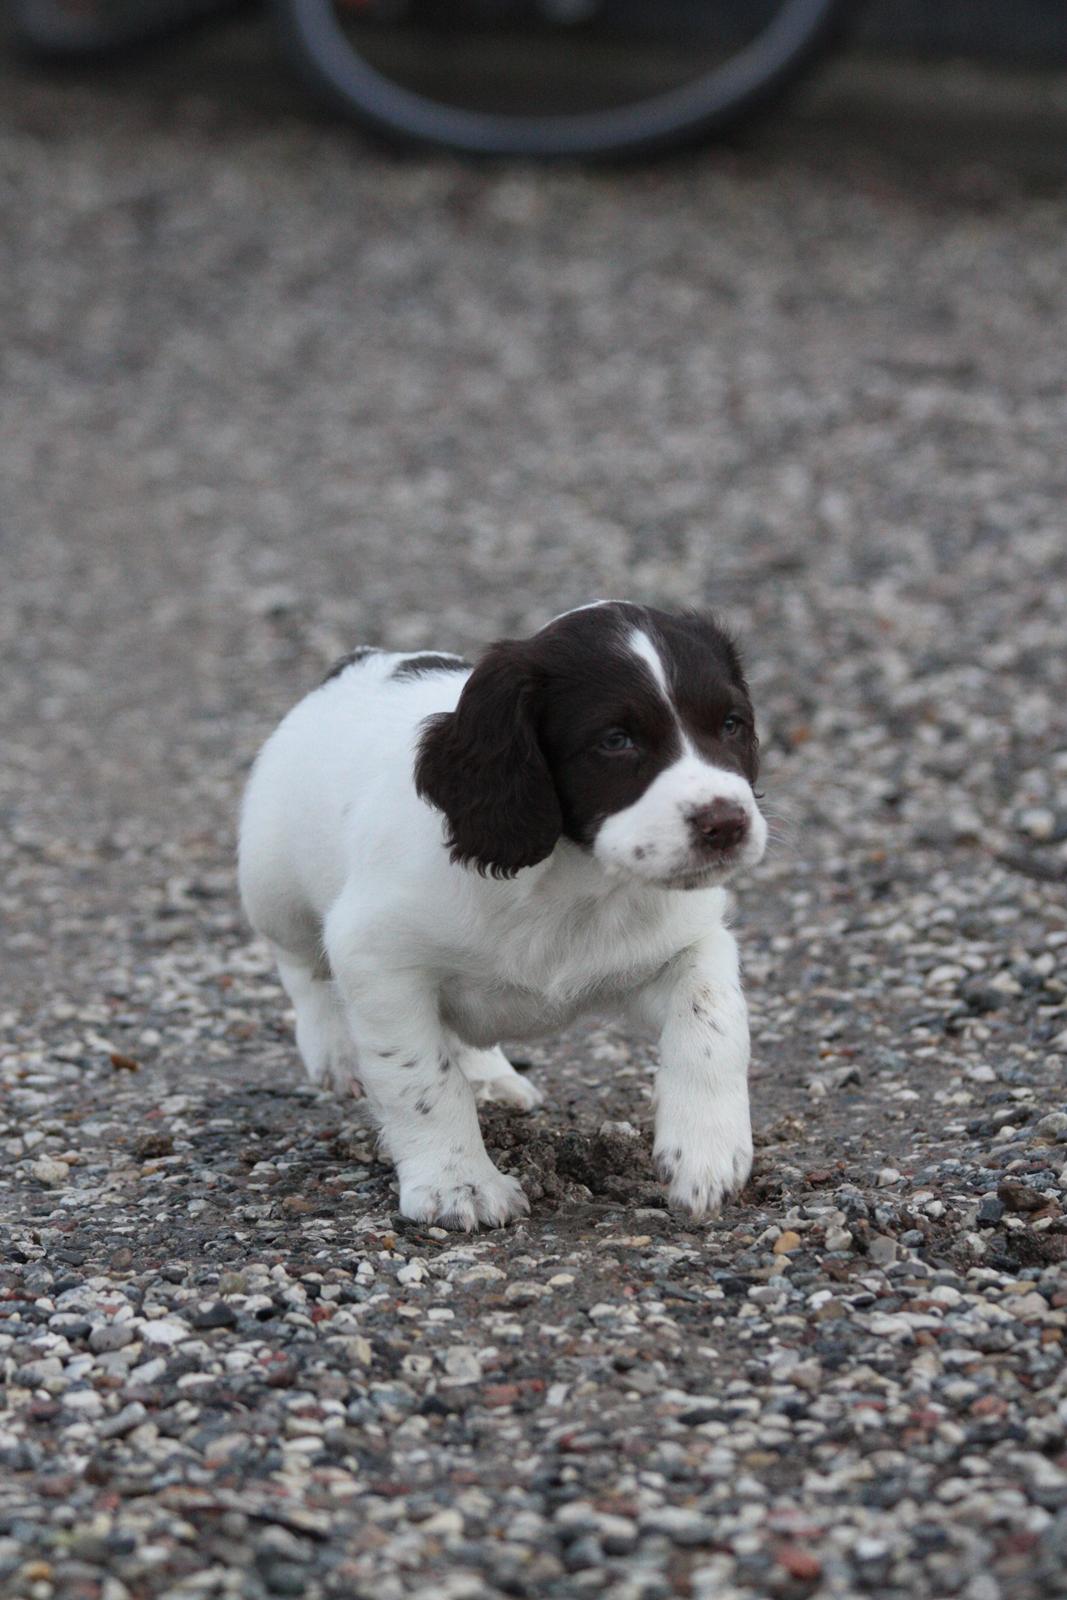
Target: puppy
x=443, y=857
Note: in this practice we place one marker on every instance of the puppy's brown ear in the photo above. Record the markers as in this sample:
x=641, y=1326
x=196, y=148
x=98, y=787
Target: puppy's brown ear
x=482, y=765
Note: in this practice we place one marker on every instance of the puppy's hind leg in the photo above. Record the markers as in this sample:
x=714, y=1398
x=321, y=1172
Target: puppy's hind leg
x=493, y=1078
x=322, y=1034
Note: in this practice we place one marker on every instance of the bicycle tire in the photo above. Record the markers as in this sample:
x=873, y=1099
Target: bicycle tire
x=799, y=34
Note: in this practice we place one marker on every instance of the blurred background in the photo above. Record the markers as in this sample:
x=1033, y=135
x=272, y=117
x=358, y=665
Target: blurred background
x=272, y=389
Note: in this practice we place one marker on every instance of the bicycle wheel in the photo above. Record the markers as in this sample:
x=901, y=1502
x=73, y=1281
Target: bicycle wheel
x=552, y=78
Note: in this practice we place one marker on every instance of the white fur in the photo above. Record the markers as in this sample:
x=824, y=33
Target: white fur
x=398, y=961
x=642, y=647
x=653, y=838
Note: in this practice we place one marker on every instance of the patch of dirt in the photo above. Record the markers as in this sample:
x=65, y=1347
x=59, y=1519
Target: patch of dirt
x=572, y=1165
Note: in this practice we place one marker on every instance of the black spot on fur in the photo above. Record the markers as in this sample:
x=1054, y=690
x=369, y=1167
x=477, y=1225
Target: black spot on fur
x=423, y=1107
x=444, y=1065
x=352, y=659
x=667, y=1164
x=426, y=662
x=412, y=1061
x=704, y=1015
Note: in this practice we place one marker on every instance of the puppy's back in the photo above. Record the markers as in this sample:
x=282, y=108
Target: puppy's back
x=332, y=790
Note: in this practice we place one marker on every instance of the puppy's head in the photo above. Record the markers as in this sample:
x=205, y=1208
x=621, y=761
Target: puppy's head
x=627, y=730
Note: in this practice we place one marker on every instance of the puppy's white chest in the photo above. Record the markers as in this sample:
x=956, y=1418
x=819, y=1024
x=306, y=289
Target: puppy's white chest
x=483, y=1013
x=536, y=979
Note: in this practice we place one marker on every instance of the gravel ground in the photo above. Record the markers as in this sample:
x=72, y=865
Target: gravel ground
x=270, y=393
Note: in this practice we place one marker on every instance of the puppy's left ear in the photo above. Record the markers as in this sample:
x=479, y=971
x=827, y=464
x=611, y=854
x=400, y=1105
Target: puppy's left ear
x=483, y=766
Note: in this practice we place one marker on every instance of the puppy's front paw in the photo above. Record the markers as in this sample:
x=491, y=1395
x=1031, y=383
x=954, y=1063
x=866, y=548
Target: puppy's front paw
x=708, y=1161
x=452, y=1200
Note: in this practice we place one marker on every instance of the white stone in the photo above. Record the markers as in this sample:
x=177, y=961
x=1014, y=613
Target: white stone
x=446, y=1523
x=525, y=1291
x=164, y=1330
x=46, y=1170
x=945, y=1294
x=982, y=1073
x=944, y=976
x=86, y=1402
x=1038, y=822
x=150, y=1371
x=481, y=1272
x=463, y=1364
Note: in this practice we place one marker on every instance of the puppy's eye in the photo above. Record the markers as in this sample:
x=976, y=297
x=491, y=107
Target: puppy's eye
x=732, y=726
x=615, y=742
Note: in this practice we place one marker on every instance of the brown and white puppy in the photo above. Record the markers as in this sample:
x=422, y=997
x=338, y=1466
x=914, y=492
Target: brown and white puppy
x=444, y=857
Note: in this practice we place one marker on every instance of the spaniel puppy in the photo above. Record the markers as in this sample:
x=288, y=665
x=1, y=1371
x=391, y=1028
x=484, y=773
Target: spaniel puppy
x=443, y=858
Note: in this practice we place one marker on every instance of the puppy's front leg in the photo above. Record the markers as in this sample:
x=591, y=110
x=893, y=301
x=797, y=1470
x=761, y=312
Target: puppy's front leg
x=703, y=1145
x=422, y=1102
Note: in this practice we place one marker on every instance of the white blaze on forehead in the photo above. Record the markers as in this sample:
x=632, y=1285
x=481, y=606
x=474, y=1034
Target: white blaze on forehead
x=642, y=647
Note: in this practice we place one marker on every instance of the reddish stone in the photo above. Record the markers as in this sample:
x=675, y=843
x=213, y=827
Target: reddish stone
x=280, y=1375
x=58, y=1487
x=799, y=1563
x=1016, y=1544
x=500, y=1394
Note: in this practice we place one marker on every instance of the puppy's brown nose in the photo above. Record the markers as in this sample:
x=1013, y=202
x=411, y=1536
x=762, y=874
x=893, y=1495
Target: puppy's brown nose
x=719, y=826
